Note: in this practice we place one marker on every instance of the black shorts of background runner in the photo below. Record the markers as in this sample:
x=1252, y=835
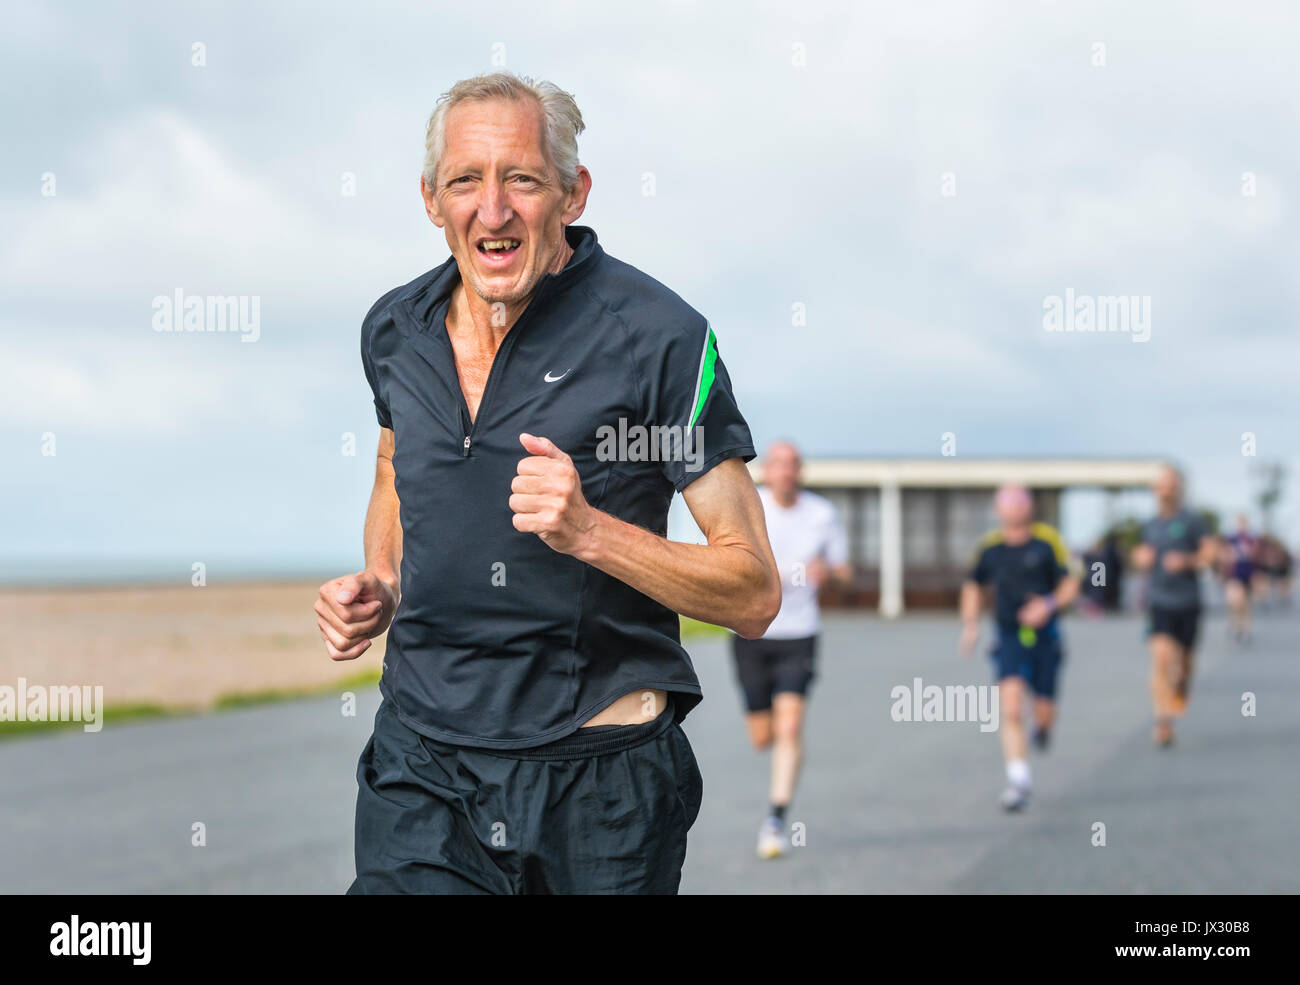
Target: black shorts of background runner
x=1181, y=624
x=604, y=810
x=767, y=667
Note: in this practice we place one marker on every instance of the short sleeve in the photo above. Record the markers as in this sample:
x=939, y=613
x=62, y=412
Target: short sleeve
x=1196, y=529
x=1060, y=553
x=837, y=544
x=367, y=363
x=1146, y=534
x=690, y=395
x=981, y=568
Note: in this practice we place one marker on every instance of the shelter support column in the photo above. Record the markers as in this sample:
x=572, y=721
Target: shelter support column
x=891, y=550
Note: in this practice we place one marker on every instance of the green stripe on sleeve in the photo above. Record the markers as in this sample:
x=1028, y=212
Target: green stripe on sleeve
x=704, y=382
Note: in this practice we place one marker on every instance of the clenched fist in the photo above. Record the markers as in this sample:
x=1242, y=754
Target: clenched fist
x=546, y=496
x=1144, y=556
x=817, y=572
x=352, y=610
x=1035, y=612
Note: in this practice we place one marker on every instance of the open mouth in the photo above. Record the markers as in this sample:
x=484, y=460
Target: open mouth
x=498, y=250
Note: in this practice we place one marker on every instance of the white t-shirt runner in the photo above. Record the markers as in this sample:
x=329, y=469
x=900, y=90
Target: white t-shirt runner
x=807, y=530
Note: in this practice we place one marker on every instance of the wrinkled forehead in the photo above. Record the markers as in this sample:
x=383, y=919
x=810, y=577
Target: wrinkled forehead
x=483, y=131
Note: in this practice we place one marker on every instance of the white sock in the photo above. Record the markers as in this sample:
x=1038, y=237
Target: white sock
x=1018, y=774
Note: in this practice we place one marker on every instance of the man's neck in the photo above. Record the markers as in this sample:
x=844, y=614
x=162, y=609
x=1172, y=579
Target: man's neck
x=469, y=316
x=1015, y=536
x=563, y=256
x=490, y=321
x=788, y=500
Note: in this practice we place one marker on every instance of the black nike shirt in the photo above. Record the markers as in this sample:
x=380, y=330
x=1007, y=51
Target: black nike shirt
x=499, y=641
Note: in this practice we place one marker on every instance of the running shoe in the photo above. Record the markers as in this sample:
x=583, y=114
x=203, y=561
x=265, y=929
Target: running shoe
x=1014, y=798
x=772, y=841
x=1163, y=735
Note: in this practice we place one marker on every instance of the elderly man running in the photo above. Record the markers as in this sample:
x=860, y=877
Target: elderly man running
x=539, y=404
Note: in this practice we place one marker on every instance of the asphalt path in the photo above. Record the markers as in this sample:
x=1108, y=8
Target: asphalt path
x=884, y=806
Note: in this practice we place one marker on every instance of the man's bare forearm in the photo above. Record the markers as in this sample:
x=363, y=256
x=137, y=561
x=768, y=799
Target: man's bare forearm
x=1207, y=552
x=383, y=532
x=1066, y=592
x=971, y=602
x=383, y=536
x=727, y=584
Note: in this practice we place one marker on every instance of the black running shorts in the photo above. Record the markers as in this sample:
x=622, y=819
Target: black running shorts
x=767, y=667
x=1181, y=624
x=604, y=810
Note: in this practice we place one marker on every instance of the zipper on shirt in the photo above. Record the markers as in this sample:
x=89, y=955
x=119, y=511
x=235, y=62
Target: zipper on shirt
x=466, y=429
x=498, y=367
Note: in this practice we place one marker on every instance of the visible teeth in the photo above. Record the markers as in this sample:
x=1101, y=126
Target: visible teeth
x=500, y=244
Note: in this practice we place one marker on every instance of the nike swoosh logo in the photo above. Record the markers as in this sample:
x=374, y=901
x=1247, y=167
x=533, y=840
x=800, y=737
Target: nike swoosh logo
x=555, y=379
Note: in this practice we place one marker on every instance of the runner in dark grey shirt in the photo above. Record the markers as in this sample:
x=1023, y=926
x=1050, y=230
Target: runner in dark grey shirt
x=1181, y=532
x=540, y=402
x=1175, y=548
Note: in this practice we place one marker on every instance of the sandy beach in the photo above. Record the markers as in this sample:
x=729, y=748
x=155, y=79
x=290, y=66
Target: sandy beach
x=180, y=647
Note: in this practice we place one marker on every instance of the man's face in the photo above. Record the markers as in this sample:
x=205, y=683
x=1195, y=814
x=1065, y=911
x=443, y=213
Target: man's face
x=1014, y=506
x=1168, y=488
x=499, y=200
x=781, y=470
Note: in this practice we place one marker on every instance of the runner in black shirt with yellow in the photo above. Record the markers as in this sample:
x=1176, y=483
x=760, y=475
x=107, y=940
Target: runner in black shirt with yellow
x=1027, y=566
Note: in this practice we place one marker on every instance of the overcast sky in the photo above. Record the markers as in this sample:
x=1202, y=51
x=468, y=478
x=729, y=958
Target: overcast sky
x=798, y=153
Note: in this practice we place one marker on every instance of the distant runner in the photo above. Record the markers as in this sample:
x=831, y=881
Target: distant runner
x=1276, y=562
x=1028, y=567
x=1243, y=549
x=775, y=671
x=1175, y=547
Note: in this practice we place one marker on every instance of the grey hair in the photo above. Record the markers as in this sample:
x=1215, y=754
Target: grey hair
x=783, y=442
x=1176, y=471
x=559, y=137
